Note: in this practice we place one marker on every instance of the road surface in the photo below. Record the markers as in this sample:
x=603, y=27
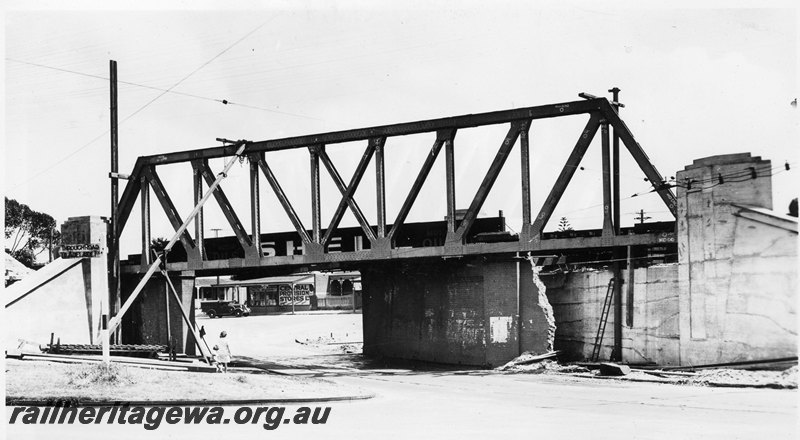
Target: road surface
x=476, y=404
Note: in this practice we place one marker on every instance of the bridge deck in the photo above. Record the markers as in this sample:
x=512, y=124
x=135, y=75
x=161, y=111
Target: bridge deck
x=323, y=261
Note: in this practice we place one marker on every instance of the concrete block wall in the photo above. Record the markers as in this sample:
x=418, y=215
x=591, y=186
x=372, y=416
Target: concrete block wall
x=738, y=274
x=654, y=335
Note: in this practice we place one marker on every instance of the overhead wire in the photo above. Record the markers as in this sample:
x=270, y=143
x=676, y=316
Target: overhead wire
x=74, y=152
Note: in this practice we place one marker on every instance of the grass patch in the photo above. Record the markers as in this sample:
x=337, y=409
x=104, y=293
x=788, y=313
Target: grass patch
x=50, y=380
x=98, y=374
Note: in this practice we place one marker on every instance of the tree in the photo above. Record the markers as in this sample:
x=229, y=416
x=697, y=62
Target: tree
x=158, y=244
x=28, y=232
x=563, y=225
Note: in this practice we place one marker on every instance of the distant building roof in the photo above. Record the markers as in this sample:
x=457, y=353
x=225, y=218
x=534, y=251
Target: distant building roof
x=227, y=282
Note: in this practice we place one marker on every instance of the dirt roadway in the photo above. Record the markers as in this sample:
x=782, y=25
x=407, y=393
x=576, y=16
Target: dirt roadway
x=475, y=404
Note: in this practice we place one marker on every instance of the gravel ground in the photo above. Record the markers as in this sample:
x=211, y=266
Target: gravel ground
x=770, y=379
x=717, y=377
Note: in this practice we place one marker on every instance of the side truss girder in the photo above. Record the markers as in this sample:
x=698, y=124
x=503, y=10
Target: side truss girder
x=602, y=114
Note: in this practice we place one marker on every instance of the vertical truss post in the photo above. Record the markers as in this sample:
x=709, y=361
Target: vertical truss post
x=197, y=177
x=316, y=216
x=255, y=209
x=615, y=165
x=525, y=177
x=608, y=227
x=380, y=190
x=450, y=176
x=145, y=192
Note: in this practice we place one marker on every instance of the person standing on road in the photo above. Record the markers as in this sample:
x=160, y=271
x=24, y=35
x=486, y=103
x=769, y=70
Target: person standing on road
x=223, y=352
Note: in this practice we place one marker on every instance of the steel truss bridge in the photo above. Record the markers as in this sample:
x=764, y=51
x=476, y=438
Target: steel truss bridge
x=382, y=235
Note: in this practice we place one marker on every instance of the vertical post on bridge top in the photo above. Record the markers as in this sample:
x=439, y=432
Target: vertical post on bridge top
x=145, y=202
x=198, y=221
x=608, y=226
x=316, y=218
x=380, y=189
x=615, y=165
x=450, y=176
x=525, y=168
x=255, y=208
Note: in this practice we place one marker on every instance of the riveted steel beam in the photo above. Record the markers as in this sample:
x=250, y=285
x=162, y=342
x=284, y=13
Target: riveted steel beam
x=316, y=213
x=145, y=204
x=255, y=209
x=525, y=178
x=199, y=227
x=456, y=122
x=608, y=225
x=450, y=182
x=380, y=190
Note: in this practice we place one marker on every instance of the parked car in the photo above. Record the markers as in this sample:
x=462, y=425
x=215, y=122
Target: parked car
x=222, y=308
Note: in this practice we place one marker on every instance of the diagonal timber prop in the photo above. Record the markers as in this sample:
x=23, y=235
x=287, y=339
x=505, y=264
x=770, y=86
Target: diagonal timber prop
x=115, y=321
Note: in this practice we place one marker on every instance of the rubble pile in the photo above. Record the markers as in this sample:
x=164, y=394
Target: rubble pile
x=729, y=377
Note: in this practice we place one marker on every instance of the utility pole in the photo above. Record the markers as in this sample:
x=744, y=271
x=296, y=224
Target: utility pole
x=641, y=217
x=113, y=245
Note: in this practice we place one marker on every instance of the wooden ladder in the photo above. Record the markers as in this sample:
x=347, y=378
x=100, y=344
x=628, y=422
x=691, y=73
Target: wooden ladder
x=601, y=329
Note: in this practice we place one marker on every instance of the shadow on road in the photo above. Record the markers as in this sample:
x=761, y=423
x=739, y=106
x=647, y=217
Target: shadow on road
x=338, y=365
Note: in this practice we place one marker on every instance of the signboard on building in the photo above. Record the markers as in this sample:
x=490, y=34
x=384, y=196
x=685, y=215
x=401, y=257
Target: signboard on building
x=80, y=250
x=301, y=296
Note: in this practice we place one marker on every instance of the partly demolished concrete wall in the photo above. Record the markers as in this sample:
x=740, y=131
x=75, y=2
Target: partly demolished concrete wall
x=577, y=298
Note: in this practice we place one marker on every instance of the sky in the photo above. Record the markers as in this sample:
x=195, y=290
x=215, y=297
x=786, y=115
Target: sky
x=696, y=81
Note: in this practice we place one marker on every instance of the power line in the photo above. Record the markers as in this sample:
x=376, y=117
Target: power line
x=140, y=108
x=169, y=90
